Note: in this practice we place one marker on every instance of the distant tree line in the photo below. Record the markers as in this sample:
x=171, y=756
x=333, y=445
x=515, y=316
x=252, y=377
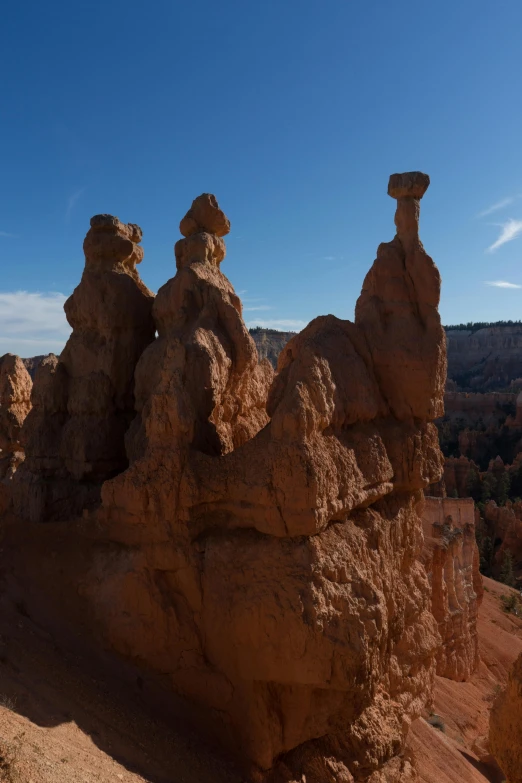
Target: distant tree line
x=476, y=325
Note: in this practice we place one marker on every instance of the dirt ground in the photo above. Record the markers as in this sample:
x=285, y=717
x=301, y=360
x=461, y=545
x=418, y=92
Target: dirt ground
x=59, y=725
x=448, y=754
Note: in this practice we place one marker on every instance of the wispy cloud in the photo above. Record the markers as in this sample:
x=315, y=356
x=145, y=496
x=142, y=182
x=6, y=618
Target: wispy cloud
x=6, y=234
x=510, y=230
x=502, y=284
x=292, y=324
x=505, y=202
x=71, y=201
x=257, y=307
x=32, y=323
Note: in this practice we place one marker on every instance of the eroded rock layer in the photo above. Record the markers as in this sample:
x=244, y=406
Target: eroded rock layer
x=15, y=404
x=505, y=733
x=261, y=551
x=451, y=558
x=289, y=546
x=83, y=402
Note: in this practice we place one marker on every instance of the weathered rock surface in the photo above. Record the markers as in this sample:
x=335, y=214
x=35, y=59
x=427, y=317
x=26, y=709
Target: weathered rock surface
x=261, y=552
x=451, y=559
x=320, y=632
x=505, y=737
x=15, y=404
x=83, y=402
x=270, y=343
x=485, y=359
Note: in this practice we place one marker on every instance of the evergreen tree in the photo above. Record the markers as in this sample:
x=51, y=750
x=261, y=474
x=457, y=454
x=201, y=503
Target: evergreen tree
x=489, y=486
x=486, y=553
x=473, y=485
x=507, y=574
x=502, y=489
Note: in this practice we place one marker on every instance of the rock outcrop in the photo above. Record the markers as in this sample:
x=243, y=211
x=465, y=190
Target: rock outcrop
x=83, y=402
x=15, y=404
x=506, y=726
x=485, y=359
x=261, y=552
x=270, y=343
x=320, y=631
x=451, y=559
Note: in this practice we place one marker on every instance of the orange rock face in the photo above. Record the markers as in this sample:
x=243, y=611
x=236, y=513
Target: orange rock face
x=451, y=558
x=287, y=542
x=15, y=404
x=83, y=402
x=261, y=551
x=506, y=726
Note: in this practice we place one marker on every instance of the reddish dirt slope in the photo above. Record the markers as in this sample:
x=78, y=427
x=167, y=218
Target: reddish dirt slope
x=59, y=725
x=448, y=756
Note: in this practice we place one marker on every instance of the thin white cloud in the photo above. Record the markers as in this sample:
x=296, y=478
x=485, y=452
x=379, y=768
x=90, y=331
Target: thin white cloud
x=6, y=234
x=32, y=323
x=510, y=230
x=505, y=202
x=328, y=258
x=502, y=284
x=257, y=307
x=291, y=324
x=71, y=201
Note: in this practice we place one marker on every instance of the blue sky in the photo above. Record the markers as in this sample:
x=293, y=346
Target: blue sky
x=293, y=113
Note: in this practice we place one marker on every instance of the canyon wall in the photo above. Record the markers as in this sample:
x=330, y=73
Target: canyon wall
x=488, y=358
x=261, y=552
x=506, y=726
x=451, y=558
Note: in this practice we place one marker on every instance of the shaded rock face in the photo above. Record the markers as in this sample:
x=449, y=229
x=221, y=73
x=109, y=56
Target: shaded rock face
x=451, y=557
x=270, y=343
x=288, y=543
x=15, y=404
x=503, y=525
x=83, y=402
x=485, y=359
x=261, y=551
x=506, y=726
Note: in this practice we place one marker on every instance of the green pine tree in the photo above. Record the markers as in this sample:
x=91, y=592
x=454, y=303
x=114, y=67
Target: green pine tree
x=507, y=573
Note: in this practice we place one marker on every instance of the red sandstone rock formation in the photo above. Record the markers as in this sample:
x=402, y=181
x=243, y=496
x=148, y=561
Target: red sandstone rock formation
x=290, y=555
x=451, y=559
x=83, y=401
x=457, y=471
x=504, y=527
x=264, y=560
x=15, y=404
x=506, y=726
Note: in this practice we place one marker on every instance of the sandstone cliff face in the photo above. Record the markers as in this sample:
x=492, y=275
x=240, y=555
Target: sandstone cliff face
x=488, y=358
x=83, y=402
x=506, y=726
x=504, y=527
x=451, y=559
x=15, y=404
x=288, y=546
x=261, y=551
x=270, y=343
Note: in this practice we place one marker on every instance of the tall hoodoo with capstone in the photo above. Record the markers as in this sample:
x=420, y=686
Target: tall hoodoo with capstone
x=261, y=552
x=291, y=554
x=84, y=401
